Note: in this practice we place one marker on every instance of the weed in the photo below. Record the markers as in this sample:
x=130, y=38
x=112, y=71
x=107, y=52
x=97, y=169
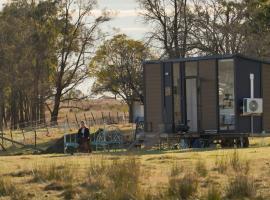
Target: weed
x=213, y=194
x=241, y=186
x=221, y=163
x=53, y=172
x=183, y=188
x=7, y=188
x=176, y=170
x=201, y=168
x=239, y=164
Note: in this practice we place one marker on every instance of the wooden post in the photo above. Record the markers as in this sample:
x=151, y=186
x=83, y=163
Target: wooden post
x=93, y=118
x=86, y=120
x=47, y=129
x=35, y=138
x=110, y=118
x=23, y=136
x=2, y=133
x=11, y=135
x=117, y=114
x=125, y=117
x=77, y=120
x=102, y=117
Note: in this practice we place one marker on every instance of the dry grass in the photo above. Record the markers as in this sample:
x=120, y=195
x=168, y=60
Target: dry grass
x=9, y=188
x=142, y=176
x=201, y=168
x=241, y=186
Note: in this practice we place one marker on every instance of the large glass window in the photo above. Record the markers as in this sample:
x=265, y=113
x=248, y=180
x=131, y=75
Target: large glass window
x=226, y=94
x=176, y=93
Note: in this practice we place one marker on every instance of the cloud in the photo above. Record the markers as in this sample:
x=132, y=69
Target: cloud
x=119, y=13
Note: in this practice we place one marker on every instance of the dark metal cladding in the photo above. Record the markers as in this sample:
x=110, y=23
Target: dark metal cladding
x=243, y=69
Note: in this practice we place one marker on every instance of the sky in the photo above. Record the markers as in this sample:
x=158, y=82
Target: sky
x=126, y=20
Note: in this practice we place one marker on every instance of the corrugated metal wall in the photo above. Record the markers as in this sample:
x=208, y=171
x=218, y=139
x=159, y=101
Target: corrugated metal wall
x=266, y=96
x=208, y=95
x=153, y=95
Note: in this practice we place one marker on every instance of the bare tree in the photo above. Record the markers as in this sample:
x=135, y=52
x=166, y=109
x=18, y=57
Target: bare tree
x=79, y=31
x=220, y=26
x=172, y=23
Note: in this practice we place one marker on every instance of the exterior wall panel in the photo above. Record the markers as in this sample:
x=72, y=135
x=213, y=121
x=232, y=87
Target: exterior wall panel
x=153, y=95
x=266, y=96
x=208, y=95
x=243, y=69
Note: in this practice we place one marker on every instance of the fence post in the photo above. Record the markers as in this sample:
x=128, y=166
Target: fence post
x=86, y=120
x=110, y=118
x=23, y=136
x=77, y=120
x=35, y=138
x=11, y=136
x=93, y=118
x=102, y=117
x=2, y=133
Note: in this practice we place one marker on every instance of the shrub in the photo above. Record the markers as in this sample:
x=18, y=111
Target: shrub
x=183, y=188
x=221, y=163
x=239, y=164
x=117, y=180
x=7, y=188
x=241, y=186
x=53, y=172
x=176, y=170
x=213, y=194
x=201, y=168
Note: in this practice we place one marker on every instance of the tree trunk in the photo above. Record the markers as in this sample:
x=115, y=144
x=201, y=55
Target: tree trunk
x=130, y=109
x=54, y=114
x=1, y=109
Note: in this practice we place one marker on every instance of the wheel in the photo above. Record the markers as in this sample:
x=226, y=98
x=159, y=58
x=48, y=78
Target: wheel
x=228, y=142
x=245, y=142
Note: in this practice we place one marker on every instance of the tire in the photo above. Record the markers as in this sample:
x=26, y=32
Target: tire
x=245, y=142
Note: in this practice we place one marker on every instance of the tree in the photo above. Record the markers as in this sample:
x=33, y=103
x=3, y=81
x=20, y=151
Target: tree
x=220, y=27
x=117, y=68
x=78, y=32
x=172, y=23
x=27, y=53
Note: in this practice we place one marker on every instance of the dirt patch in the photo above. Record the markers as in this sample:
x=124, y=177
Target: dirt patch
x=54, y=186
x=21, y=173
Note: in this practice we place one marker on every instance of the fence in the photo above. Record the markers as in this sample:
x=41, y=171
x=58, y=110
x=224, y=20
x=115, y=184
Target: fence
x=41, y=132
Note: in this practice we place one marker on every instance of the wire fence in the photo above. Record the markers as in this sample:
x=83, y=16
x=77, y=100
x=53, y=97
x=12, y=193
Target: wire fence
x=42, y=132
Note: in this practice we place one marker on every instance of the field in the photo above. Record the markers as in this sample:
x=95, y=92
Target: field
x=179, y=174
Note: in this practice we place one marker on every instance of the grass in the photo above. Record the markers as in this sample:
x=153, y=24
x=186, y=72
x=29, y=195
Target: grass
x=241, y=186
x=214, y=193
x=183, y=188
x=201, y=168
x=8, y=188
x=141, y=176
x=54, y=172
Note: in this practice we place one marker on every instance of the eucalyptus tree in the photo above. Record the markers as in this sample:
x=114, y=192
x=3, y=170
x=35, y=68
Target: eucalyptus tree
x=117, y=69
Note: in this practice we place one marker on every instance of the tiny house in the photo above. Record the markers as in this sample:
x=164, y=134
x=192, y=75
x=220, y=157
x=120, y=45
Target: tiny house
x=211, y=95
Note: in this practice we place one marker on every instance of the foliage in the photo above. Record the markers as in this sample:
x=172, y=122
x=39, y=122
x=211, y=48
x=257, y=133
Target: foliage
x=117, y=68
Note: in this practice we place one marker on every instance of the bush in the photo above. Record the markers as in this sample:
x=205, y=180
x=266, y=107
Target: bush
x=176, y=170
x=7, y=188
x=183, y=188
x=115, y=181
x=239, y=164
x=53, y=172
x=241, y=186
x=213, y=194
x=201, y=168
x=221, y=164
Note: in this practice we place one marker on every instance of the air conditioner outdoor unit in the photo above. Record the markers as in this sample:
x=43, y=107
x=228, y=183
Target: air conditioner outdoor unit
x=252, y=106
